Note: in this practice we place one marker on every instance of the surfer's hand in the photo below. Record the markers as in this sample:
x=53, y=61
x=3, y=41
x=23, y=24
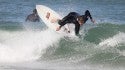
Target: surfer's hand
x=93, y=21
x=58, y=28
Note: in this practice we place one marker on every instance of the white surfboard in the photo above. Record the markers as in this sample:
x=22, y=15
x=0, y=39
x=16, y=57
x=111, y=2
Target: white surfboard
x=42, y=12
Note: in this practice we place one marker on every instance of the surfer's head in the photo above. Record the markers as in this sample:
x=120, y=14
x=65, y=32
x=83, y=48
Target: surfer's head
x=35, y=11
x=80, y=20
x=47, y=15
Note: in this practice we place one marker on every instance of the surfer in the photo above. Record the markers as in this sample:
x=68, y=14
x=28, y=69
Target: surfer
x=33, y=17
x=74, y=18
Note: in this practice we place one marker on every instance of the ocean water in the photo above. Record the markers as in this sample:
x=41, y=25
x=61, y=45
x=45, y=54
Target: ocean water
x=32, y=46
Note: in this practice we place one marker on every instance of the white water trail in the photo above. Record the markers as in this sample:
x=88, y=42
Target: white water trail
x=114, y=41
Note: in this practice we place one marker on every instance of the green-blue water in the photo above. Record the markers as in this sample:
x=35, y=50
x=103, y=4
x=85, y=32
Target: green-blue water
x=31, y=46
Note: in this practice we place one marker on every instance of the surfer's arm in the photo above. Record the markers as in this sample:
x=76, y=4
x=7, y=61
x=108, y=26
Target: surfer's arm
x=77, y=27
x=87, y=13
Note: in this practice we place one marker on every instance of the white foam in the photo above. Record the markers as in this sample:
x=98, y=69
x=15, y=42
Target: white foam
x=114, y=41
x=27, y=45
x=122, y=53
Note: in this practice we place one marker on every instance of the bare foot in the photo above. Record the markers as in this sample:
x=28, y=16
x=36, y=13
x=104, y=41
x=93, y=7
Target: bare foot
x=58, y=28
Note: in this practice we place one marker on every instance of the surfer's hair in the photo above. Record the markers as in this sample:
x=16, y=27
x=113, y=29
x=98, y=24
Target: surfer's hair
x=80, y=18
x=34, y=11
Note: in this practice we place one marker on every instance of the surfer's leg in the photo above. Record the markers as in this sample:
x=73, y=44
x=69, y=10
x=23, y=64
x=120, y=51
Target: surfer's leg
x=61, y=23
x=64, y=21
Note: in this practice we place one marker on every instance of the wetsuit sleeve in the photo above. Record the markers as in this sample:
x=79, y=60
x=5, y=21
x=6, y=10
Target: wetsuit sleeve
x=87, y=13
x=77, y=27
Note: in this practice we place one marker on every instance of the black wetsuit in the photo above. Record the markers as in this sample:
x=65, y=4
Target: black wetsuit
x=32, y=18
x=72, y=18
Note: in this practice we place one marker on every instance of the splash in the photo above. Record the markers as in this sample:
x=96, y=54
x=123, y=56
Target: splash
x=26, y=45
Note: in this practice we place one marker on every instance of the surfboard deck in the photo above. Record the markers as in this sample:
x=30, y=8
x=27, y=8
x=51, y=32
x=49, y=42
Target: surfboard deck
x=42, y=12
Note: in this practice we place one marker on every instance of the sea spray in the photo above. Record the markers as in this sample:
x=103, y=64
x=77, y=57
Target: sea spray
x=27, y=45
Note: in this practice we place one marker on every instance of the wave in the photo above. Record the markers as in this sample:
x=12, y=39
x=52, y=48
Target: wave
x=90, y=48
x=103, y=31
x=48, y=45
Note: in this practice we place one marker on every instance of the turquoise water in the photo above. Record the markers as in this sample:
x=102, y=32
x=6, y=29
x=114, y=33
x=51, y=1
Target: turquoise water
x=32, y=46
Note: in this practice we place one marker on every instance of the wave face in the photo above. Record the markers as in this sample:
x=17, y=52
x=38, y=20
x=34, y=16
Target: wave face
x=103, y=44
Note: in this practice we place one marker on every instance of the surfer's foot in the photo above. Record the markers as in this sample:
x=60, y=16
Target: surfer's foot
x=58, y=28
